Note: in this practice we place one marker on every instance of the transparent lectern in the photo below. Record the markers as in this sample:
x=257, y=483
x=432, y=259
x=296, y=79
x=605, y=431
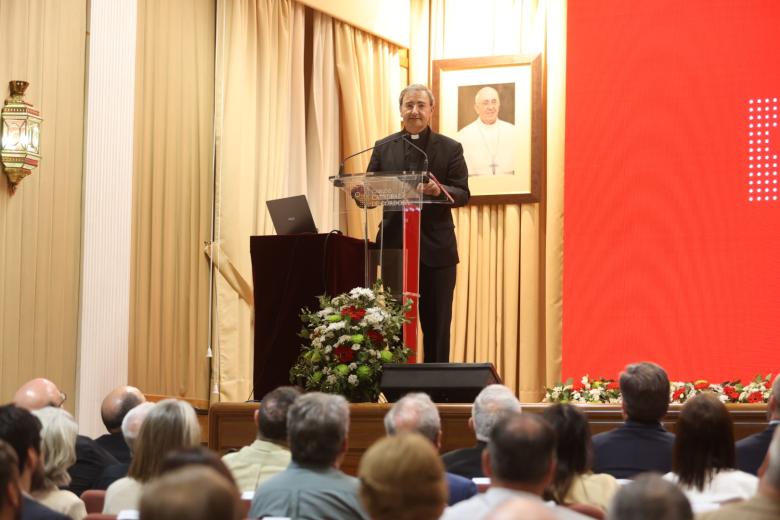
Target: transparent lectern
x=385, y=209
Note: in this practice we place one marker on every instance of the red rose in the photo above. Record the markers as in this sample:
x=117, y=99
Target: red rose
x=678, y=394
x=614, y=385
x=344, y=354
x=354, y=313
x=731, y=393
x=756, y=397
x=701, y=385
x=375, y=337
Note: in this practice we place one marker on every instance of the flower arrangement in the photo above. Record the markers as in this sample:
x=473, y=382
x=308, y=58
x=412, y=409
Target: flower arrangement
x=348, y=340
x=607, y=391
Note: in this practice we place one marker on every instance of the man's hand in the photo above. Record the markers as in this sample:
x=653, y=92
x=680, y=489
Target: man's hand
x=429, y=188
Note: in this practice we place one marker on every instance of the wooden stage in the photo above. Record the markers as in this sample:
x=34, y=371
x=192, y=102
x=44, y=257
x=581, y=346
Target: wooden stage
x=230, y=425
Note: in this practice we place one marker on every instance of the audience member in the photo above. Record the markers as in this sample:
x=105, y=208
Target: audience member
x=416, y=413
x=10, y=492
x=574, y=482
x=91, y=459
x=169, y=425
x=752, y=450
x=704, y=461
x=491, y=403
x=520, y=461
x=196, y=456
x=766, y=504
x=131, y=425
x=113, y=410
x=268, y=454
x=312, y=486
x=402, y=478
x=641, y=444
x=650, y=497
x=58, y=448
x=22, y=431
x=192, y=493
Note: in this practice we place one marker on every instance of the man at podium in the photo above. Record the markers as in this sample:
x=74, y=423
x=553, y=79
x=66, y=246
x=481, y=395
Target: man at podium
x=412, y=149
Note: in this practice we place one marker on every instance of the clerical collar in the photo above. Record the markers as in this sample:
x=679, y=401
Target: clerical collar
x=422, y=135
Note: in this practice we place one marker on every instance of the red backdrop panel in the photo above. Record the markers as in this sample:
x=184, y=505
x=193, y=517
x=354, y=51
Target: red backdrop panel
x=668, y=254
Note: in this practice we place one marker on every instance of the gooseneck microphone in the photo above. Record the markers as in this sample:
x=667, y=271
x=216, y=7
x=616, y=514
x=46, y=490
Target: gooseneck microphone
x=378, y=145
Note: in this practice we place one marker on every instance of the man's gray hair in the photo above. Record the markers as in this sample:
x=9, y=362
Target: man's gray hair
x=772, y=474
x=414, y=412
x=492, y=403
x=58, y=445
x=416, y=88
x=649, y=497
x=131, y=424
x=317, y=425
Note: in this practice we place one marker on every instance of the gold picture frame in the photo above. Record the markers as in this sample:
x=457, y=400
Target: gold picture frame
x=507, y=162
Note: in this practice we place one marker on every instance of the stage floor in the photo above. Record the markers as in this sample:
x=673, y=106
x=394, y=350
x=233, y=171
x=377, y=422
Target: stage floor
x=231, y=425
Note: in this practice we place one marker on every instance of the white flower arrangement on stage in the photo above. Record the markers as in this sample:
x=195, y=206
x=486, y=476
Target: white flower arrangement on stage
x=348, y=340
x=607, y=391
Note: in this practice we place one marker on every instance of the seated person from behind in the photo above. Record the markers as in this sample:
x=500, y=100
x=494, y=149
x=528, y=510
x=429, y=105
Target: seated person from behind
x=752, y=449
x=191, y=493
x=402, y=477
x=416, y=413
x=574, y=481
x=170, y=425
x=91, y=459
x=641, y=444
x=704, y=462
x=113, y=410
x=520, y=461
x=58, y=447
x=268, y=454
x=490, y=405
x=131, y=425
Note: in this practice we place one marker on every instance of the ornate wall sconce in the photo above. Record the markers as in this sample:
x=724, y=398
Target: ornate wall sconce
x=21, y=124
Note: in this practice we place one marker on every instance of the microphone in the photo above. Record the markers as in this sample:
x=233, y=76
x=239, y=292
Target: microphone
x=425, y=155
x=348, y=157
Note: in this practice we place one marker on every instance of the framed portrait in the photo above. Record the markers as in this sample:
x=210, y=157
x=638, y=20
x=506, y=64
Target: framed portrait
x=493, y=107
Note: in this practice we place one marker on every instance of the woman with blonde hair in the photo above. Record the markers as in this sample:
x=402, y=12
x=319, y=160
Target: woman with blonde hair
x=402, y=478
x=170, y=425
x=58, y=447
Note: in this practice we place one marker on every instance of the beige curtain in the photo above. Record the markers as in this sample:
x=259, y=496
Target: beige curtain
x=260, y=155
x=169, y=297
x=43, y=42
x=369, y=77
x=507, y=306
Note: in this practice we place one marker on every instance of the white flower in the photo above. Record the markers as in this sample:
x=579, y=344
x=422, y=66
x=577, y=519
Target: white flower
x=356, y=346
x=555, y=395
x=343, y=339
x=353, y=366
x=357, y=292
x=337, y=325
x=723, y=398
x=352, y=379
x=328, y=349
x=326, y=311
x=331, y=379
x=326, y=370
x=371, y=352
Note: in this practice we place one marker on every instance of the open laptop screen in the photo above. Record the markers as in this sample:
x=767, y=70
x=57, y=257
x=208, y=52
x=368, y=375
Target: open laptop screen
x=291, y=215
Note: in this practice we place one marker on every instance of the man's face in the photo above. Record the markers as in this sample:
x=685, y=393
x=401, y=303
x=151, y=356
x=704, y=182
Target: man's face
x=416, y=111
x=487, y=105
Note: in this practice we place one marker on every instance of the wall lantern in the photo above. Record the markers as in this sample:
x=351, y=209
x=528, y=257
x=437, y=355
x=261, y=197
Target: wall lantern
x=21, y=124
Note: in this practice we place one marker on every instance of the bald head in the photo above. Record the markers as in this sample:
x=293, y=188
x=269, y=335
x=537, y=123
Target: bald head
x=116, y=405
x=38, y=393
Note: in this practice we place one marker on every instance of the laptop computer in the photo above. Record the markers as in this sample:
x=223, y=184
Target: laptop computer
x=291, y=215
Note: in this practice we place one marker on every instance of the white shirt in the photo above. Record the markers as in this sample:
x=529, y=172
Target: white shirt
x=726, y=484
x=490, y=149
x=478, y=506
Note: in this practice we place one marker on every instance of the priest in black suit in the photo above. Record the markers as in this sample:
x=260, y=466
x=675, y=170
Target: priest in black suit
x=438, y=246
x=752, y=449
